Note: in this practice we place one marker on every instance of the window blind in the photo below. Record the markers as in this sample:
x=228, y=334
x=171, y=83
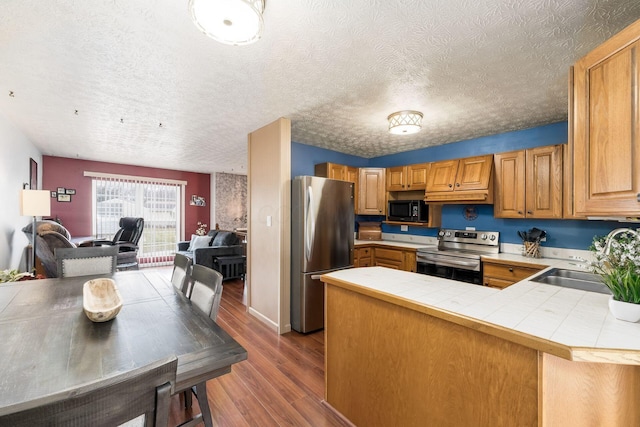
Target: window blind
x=159, y=202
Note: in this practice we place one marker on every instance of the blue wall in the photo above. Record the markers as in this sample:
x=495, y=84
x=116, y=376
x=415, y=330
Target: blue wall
x=560, y=233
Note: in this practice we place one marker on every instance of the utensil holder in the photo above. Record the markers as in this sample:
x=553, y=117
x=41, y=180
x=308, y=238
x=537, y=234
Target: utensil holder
x=531, y=249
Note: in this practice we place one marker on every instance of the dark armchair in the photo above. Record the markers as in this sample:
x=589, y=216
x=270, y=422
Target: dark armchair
x=126, y=239
x=49, y=236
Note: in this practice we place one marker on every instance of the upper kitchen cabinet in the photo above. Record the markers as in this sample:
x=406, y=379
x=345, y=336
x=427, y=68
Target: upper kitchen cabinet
x=336, y=171
x=371, y=194
x=606, y=149
x=529, y=183
x=341, y=172
x=461, y=180
x=407, y=178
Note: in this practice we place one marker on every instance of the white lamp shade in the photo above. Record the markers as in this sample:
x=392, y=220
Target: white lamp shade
x=405, y=122
x=35, y=203
x=234, y=22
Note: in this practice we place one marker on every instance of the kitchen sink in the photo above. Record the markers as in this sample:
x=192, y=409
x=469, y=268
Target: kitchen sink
x=573, y=279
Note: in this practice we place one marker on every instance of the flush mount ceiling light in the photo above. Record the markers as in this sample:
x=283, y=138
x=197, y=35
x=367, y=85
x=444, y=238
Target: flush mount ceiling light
x=234, y=22
x=405, y=122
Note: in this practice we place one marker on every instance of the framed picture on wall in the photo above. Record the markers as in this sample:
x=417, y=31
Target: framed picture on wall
x=64, y=197
x=33, y=174
x=54, y=194
x=70, y=191
x=61, y=190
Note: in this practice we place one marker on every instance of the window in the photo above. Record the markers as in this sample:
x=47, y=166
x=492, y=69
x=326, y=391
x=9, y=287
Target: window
x=158, y=201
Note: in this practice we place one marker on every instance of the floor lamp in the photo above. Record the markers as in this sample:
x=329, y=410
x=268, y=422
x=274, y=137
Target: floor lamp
x=34, y=203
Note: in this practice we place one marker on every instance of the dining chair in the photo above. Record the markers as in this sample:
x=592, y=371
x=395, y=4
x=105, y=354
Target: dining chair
x=139, y=397
x=205, y=295
x=181, y=273
x=87, y=261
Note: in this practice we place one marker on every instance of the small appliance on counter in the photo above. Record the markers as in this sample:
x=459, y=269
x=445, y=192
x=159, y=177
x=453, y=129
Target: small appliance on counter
x=369, y=231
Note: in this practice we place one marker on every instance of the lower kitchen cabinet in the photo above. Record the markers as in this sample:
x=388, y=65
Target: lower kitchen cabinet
x=362, y=257
x=385, y=256
x=498, y=274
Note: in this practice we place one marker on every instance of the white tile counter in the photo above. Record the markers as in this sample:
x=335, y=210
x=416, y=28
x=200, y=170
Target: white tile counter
x=569, y=323
x=395, y=244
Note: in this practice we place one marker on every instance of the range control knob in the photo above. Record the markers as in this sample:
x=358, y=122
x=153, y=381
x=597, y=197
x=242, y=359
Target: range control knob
x=483, y=237
x=440, y=233
x=447, y=234
x=492, y=237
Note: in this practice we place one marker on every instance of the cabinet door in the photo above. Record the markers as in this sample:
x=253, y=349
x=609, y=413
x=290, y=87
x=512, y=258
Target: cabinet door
x=391, y=258
x=337, y=171
x=417, y=176
x=396, y=178
x=606, y=127
x=442, y=176
x=352, y=176
x=510, y=186
x=409, y=261
x=371, y=185
x=474, y=173
x=544, y=182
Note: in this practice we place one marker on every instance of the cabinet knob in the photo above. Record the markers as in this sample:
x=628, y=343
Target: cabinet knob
x=529, y=213
x=457, y=184
x=510, y=270
x=409, y=186
x=450, y=185
x=519, y=212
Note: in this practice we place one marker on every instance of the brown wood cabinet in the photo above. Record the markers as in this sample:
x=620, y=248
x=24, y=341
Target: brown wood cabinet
x=529, y=183
x=341, y=172
x=461, y=180
x=606, y=128
x=498, y=274
x=407, y=178
x=362, y=257
x=371, y=192
x=385, y=256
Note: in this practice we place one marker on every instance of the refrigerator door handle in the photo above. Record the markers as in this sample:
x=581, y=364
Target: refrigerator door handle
x=315, y=276
x=310, y=226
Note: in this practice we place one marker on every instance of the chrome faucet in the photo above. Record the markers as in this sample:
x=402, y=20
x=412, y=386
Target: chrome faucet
x=609, y=239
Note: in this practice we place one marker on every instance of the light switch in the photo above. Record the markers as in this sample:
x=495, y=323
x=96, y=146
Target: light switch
x=404, y=228
x=268, y=220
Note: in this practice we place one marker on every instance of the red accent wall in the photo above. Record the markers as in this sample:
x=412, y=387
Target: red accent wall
x=76, y=215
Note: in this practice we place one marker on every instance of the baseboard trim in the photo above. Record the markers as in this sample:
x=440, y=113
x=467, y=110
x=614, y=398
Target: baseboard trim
x=272, y=325
x=338, y=413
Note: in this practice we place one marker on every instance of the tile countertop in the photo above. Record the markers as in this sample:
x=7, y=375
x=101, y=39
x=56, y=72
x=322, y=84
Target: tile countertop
x=569, y=323
x=398, y=244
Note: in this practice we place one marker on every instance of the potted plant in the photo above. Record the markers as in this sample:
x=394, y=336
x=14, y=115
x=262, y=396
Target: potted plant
x=617, y=261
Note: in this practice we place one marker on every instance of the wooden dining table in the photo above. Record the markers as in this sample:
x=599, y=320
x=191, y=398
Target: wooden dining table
x=48, y=344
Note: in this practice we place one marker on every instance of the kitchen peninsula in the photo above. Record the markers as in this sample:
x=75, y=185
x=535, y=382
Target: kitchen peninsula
x=408, y=349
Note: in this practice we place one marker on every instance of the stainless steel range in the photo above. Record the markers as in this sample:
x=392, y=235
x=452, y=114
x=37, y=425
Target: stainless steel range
x=457, y=255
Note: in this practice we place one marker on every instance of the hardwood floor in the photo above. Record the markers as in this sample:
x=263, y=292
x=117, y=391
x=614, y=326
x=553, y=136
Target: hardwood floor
x=280, y=384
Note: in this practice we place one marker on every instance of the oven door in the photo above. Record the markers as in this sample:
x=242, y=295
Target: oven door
x=460, y=269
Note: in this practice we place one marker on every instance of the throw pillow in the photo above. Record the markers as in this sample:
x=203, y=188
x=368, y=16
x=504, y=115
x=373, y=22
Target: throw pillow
x=198, y=242
x=225, y=238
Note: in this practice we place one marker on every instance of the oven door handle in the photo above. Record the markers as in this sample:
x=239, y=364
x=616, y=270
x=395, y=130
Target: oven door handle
x=446, y=261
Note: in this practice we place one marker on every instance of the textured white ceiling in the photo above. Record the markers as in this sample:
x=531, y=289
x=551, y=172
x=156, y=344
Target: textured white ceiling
x=336, y=68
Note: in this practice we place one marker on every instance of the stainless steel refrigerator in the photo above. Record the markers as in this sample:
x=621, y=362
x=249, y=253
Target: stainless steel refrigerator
x=322, y=227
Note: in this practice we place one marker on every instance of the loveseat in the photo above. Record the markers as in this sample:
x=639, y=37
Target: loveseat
x=204, y=250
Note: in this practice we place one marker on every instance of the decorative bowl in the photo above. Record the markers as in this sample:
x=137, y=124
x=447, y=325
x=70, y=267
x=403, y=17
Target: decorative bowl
x=101, y=300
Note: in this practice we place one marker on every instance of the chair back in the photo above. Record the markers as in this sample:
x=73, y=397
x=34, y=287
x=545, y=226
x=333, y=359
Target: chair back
x=181, y=273
x=49, y=236
x=72, y=262
x=206, y=290
x=130, y=230
x=143, y=392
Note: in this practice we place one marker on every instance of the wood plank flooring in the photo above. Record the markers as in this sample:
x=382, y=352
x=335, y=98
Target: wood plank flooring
x=280, y=384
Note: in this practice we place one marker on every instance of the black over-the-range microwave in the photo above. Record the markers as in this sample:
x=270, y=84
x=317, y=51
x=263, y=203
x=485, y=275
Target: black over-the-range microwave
x=408, y=211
